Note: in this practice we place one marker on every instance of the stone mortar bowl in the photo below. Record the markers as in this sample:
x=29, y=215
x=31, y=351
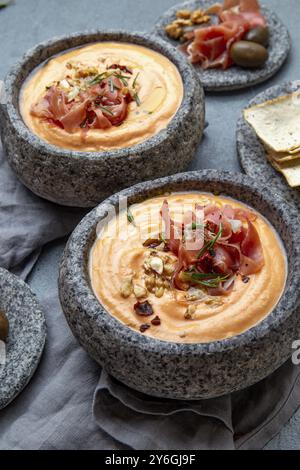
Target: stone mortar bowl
x=85, y=178
x=177, y=370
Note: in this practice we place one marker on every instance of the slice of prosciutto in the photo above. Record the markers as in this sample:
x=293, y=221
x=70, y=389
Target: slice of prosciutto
x=210, y=46
x=101, y=106
x=228, y=245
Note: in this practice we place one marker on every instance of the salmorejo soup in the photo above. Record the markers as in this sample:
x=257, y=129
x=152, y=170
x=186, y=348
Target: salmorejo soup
x=188, y=267
x=102, y=96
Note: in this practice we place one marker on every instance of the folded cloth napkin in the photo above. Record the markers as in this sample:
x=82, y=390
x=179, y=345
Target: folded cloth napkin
x=244, y=420
x=28, y=222
x=55, y=410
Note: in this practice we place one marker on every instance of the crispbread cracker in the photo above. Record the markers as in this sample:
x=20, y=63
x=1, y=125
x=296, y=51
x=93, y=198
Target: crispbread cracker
x=277, y=123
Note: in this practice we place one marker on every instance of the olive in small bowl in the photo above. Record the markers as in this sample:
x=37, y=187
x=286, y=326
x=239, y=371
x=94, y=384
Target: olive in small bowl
x=4, y=326
x=248, y=54
x=259, y=35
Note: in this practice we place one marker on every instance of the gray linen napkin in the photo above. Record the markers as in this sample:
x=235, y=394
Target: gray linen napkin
x=28, y=222
x=248, y=419
x=55, y=410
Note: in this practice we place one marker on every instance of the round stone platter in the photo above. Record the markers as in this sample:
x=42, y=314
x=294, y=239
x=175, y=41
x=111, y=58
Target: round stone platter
x=83, y=179
x=235, y=77
x=251, y=151
x=27, y=335
x=180, y=370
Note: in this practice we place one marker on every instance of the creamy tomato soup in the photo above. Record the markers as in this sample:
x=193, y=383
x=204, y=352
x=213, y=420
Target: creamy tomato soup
x=144, y=272
x=102, y=96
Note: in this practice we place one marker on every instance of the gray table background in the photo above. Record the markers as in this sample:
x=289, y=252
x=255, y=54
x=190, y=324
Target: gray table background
x=28, y=22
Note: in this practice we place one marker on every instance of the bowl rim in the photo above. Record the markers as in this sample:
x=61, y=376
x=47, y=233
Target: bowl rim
x=189, y=78
x=74, y=260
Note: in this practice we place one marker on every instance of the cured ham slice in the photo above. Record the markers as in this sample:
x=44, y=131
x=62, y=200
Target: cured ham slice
x=76, y=115
x=229, y=245
x=99, y=106
x=211, y=45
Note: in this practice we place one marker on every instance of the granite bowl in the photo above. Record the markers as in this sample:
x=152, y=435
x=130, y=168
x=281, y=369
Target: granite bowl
x=85, y=178
x=26, y=340
x=177, y=370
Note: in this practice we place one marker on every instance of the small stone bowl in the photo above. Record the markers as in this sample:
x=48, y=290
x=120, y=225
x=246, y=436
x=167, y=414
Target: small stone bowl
x=85, y=178
x=177, y=370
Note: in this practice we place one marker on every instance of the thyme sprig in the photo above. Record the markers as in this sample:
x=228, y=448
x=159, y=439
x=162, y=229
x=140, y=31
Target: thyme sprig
x=106, y=110
x=135, y=80
x=205, y=279
x=209, y=245
x=137, y=99
x=98, y=78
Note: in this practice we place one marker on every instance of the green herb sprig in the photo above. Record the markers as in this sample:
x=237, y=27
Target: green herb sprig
x=130, y=217
x=135, y=80
x=137, y=99
x=97, y=79
x=106, y=110
x=205, y=279
x=209, y=245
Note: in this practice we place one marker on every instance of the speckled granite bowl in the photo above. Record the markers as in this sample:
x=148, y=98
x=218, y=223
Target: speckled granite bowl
x=251, y=151
x=174, y=370
x=27, y=335
x=235, y=77
x=85, y=178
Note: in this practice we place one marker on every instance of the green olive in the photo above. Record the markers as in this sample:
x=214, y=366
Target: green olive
x=259, y=35
x=248, y=54
x=4, y=326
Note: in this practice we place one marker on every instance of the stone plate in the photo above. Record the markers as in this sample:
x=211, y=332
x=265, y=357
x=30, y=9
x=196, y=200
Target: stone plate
x=26, y=339
x=252, y=154
x=184, y=370
x=236, y=77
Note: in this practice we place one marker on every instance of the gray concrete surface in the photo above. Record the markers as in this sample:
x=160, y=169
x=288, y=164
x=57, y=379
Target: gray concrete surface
x=27, y=22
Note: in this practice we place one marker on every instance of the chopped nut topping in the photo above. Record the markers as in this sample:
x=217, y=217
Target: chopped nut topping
x=156, y=264
x=199, y=17
x=183, y=14
x=195, y=294
x=174, y=31
x=126, y=288
x=161, y=247
x=181, y=22
x=86, y=72
x=159, y=291
x=214, y=302
x=185, y=19
x=150, y=281
x=191, y=309
x=139, y=291
x=169, y=269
